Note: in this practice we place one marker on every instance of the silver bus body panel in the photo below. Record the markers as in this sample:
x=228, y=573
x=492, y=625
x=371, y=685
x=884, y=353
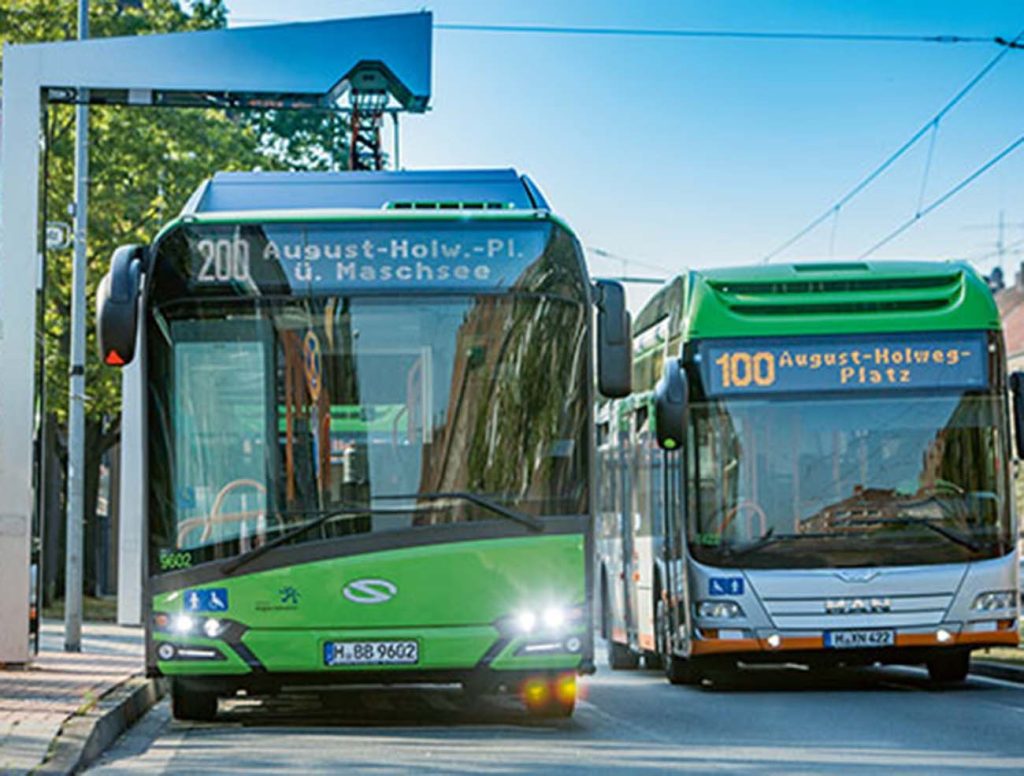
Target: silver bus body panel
x=809, y=602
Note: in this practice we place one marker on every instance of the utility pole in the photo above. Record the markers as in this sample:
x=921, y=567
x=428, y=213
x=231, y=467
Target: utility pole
x=76, y=393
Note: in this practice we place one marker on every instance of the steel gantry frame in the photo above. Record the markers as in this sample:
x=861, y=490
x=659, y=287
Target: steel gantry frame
x=298, y=66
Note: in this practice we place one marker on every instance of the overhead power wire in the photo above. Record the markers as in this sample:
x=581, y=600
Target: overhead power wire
x=593, y=249
x=659, y=32
x=667, y=32
x=1009, y=248
x=930, y=125
x=948, y=195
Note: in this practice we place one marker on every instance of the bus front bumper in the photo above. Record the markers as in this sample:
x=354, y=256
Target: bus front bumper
x=444, y=654
x=769, y=645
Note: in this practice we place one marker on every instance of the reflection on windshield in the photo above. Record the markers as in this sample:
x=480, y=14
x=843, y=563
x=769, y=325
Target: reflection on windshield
x=305, y=408
x=909, y=479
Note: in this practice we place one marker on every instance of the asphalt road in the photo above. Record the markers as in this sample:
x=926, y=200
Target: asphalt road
x=778, y=721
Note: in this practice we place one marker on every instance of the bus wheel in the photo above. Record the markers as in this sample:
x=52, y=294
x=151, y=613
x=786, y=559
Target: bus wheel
x=679, y=670
x=621, y=657
x=191, y=705
x=550, y=697
x=949, y=668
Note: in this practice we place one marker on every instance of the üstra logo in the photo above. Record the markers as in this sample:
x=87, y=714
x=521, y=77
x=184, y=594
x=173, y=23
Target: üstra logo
x=369, y=591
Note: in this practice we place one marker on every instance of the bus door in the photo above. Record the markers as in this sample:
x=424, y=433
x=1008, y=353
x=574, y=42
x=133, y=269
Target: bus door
x=626, y=586
x=671, y=549
x=648, y=490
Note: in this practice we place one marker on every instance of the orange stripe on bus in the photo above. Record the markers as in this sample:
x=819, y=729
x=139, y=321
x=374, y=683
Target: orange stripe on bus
x=719, y=646
x=808, y=643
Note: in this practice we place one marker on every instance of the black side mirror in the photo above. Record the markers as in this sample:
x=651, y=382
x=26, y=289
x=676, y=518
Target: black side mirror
x=614, y=341
x=671, y=397
x=117, y=306
x=1017, y=393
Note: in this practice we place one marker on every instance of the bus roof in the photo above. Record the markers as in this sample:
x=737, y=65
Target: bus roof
x=823, y=298
x=398, y=192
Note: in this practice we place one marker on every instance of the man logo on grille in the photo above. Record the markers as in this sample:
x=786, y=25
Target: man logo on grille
x=369, y=591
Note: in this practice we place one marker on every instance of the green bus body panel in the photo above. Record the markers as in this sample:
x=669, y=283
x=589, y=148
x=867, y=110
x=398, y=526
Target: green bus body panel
x=826, y=298
x=449, y=598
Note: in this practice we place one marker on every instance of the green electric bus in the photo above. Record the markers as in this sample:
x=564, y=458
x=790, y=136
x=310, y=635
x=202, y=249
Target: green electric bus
x=814, y=468
x=368, y=413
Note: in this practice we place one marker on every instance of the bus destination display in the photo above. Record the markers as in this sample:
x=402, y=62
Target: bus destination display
x=326, y=257
x=908, y=361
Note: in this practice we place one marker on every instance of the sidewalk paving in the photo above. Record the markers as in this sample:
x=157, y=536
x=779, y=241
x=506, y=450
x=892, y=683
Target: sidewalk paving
x=35, y=702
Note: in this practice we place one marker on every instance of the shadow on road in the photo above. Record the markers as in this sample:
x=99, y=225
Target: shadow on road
x=802, y=679
x=382, y=707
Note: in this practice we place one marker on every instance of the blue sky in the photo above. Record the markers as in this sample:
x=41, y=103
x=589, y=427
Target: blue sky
x=680, y=152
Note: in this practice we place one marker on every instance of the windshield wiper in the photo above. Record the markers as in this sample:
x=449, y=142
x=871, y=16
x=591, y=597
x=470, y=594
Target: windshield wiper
x=490, y=505
x=942, y=531
x=355, y=511
x=236, y=563
x=767, y=539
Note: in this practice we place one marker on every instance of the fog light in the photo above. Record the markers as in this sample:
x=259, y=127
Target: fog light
x=565, y=688
x=526, y=620
x=943, y=636
x=183, y=624
x=573, y=645
x=165, y=651
x=774, y=641
x=535, y=692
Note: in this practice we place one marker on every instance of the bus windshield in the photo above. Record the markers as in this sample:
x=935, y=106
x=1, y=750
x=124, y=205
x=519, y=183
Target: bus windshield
x=275, y=412
x=815, y=483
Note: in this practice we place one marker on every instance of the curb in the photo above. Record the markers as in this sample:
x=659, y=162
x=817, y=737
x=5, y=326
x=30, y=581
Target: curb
x=1005, y=671
x=84, y=737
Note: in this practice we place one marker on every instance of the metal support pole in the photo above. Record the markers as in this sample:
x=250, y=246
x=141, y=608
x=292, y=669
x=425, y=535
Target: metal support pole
x=394, y=121
x=76, y=393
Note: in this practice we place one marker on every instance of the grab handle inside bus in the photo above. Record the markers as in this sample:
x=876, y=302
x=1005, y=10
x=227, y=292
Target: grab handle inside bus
x=1017, y=393
x=671, y=396
x=117, y=306
x=614, y=341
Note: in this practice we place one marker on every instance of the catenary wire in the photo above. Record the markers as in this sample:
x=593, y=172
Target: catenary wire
x=667, y=32
x=949, y=194
x=658, y=32
x=899, y=152
x=605, y=254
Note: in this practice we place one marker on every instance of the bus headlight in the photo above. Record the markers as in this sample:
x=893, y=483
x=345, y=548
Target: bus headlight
x=1000, y=599
x=213, y=628
x=526, y=621
x=554, y=617
x=183, y=624
x=719, y=610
